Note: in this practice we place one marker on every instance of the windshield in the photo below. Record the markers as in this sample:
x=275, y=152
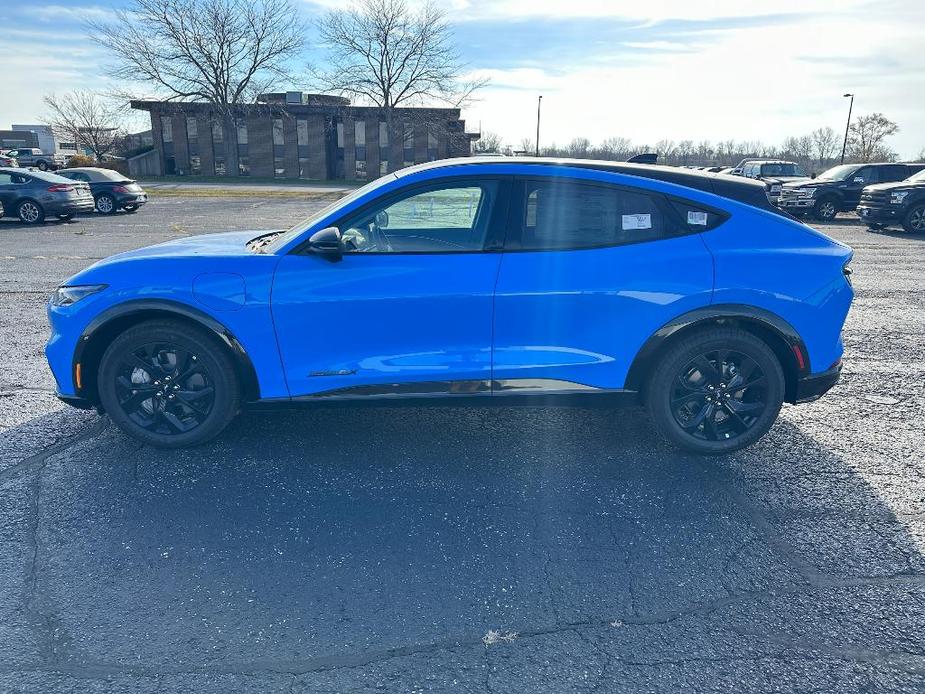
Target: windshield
x=837, y=173
x=917, y=177
x=781, y=170
x=299, y=227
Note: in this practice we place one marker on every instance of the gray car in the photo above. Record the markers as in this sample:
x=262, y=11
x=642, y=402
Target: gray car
x=34, y=195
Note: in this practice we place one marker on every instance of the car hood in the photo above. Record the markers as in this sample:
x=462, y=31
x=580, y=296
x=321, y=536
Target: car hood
x=895, y=185
x=805, y=183
x=229, y=243
x=785, y=179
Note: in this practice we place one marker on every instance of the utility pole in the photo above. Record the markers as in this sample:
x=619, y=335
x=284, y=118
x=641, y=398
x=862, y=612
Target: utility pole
x=847, y=125
x=539, y=102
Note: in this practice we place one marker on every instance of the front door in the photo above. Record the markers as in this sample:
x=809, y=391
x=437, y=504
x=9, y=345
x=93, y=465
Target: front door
x=408, y=310
x=856, y=182
x=590, y=271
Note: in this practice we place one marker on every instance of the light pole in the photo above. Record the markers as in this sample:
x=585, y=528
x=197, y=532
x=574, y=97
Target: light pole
x=847, y=125
x=539, y=102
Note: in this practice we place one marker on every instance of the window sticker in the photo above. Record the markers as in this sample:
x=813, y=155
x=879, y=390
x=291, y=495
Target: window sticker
x=699, y=218
x=637, y=221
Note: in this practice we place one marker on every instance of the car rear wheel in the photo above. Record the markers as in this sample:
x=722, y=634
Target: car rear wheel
x=42, y=166
x=915, y=220
x=105, y=204
x=168, y=384
x=717, y=391
x=825, y=209
x=30, y=212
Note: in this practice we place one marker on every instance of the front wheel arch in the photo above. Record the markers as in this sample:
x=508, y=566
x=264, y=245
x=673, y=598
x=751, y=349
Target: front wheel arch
x=774, y=331
x=103, y=329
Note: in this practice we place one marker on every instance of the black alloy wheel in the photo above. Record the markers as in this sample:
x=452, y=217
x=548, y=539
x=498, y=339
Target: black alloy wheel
x=168, y=384
x=716, y=392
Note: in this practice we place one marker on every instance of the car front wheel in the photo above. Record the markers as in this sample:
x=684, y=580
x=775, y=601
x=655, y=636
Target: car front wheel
x=105, y=204
x=168, y=384
x=717, y=391
x=30, y=212
x=915, y=220
x=825, y=209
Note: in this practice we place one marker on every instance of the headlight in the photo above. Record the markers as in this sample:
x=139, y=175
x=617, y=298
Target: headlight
x=65, y=296
x=897, y=197
x=807, y=192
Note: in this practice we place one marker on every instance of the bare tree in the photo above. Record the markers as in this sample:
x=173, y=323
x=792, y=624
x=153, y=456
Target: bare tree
x=224, y=52
x=866, y=137
x=87, y=119
x=578, y=148
x=488, y=142
x=385, y=53
x=825, y=144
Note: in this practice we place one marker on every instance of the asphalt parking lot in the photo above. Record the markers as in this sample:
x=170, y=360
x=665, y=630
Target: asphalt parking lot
x=374, y=550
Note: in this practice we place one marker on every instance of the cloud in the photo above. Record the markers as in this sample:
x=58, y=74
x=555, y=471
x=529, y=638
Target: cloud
x=70, y=13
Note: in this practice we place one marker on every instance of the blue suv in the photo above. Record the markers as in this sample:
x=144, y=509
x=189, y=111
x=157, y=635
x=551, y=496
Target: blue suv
x=472, y=282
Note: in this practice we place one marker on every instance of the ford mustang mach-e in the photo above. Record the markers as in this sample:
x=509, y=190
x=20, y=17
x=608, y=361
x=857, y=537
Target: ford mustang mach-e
x=472, y=282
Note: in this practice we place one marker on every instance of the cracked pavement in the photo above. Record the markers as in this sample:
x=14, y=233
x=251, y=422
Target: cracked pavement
x=372, y=550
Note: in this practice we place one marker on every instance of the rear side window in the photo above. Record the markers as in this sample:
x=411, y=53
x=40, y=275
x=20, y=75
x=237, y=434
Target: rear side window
x=694, y=217
x=895, y=172
x=562, y=214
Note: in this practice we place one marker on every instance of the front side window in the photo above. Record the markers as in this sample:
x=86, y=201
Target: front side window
x=449, y=217
x=562, y=214
x=865, y=176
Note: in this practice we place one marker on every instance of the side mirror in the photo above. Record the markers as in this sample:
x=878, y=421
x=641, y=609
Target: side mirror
x=327, y=243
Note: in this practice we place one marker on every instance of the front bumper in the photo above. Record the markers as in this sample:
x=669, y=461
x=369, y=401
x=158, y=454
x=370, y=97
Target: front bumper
x=814, y=387
x=75, y=401
x=882, y=215
x=796, y=203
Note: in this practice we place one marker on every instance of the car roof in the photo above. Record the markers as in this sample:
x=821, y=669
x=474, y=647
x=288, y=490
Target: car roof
x=733, y=187
x=98, y=170
x=36, y=173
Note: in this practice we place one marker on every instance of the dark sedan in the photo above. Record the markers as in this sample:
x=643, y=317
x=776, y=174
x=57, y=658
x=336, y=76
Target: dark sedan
x=34, y=195
x=111, y=190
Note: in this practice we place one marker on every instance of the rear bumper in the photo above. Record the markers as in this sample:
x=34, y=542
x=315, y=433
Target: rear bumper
x=814, y=387
x=70, y=207
x=138, y=199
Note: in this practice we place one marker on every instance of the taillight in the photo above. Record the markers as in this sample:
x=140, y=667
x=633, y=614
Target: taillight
x=61, y=188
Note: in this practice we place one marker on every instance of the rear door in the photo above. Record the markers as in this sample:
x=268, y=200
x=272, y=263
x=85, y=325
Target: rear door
x=590, y=271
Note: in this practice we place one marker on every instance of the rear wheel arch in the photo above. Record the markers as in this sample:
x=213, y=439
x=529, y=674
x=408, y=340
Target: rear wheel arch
x=773, y=330
x=105, y=327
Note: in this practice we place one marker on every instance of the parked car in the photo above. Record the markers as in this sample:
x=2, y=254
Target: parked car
x=472, y=281
x=33, y=157
x=774, y=173
x=111, y=190
x=34, y=195
x=7, y=159
x=839, y=188
x=900, y=202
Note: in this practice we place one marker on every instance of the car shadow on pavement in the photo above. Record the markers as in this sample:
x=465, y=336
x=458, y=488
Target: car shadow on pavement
x=335, y=550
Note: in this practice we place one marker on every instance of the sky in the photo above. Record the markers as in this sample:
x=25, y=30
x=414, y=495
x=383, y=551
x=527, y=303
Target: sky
x=659, y=69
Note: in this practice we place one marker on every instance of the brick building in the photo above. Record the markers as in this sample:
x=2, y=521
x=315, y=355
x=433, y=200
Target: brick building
x=296, y=135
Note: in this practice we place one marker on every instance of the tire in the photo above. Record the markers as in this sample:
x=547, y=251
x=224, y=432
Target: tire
x=914, y=221
x=189, y=379
x=42, y=166
x=825, y=209
x=30, y=212
x=105, y=204
x=66, y=217
x=692, y=406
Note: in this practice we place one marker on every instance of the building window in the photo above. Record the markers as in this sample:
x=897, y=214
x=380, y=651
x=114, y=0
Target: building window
x=218, y=148
x=383, y=148
x=192, y=143
x=301, y=132
x=279, y=161
x=408, y=144
x=359, y=140
x=170, y=164
x=339, y=151
x=431, y=146
x=244, y=168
